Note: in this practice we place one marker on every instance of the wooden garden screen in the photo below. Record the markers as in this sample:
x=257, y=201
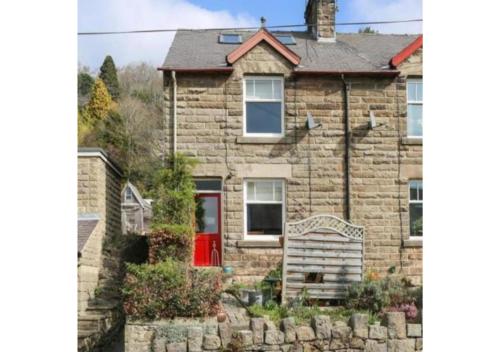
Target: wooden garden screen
x=323, y=255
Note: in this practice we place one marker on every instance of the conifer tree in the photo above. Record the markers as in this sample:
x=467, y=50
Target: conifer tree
x=100, y=103
x=109, y=76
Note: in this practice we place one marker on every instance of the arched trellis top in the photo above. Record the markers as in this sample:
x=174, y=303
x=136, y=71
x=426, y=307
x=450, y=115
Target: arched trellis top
x=325, y=222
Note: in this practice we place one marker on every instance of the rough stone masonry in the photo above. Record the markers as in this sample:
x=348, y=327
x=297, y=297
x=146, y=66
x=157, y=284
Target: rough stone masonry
x=394, y=335
x=383, y=160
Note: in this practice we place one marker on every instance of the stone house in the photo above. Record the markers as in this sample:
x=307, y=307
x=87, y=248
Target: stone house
x=239, y=102
x=136, y=211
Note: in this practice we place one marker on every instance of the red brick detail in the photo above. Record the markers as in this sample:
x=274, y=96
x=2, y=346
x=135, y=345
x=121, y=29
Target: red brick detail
x=407, y=52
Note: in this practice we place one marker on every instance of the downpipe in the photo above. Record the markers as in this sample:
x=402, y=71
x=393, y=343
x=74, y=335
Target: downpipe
x=347, y=156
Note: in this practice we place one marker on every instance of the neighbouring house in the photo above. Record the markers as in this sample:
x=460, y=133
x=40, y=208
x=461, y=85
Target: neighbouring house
x=136, y=211
x=286, y=125
x=99, y=184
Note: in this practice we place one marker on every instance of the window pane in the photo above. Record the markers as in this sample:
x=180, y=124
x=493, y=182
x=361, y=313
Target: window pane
x=414, y=120
x=250, y=190
x=208, y=185
x=264, y=191
x=415, y=189
x=419, y=92
x=277, y=89
x=264, y=219
x=416, y=219
x=278, y=191
x=250, y=91
x=263, y=117
x=230, y=38
x=207, y=219
x=412, y=91
x=263, y=89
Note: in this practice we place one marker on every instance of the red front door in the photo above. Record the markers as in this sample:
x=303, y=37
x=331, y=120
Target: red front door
x=207, y=245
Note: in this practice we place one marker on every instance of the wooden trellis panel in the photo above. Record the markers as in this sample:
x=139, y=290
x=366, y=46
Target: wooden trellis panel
x=325, y=250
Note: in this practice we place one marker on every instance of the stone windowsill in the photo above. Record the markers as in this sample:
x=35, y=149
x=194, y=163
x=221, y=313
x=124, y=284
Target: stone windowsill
x=412, y=141
x=258, y=244
x=413, y=243
x=261, y=140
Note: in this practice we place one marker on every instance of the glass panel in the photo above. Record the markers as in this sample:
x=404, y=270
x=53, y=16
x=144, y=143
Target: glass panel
x=230, y=38
x=263, y=117
x=277, y=89
x=421, y=192
x=264, y=219
x=264, y=191
x=250, y=190
x=207, y=217
x=250, y=91
x=208, y=185
x=286, y=39
x=278, y=191
x=412, y=91
x=416, y=219
x=414, y=190
x=414, y=120
x=419, y=91
x=263, y=89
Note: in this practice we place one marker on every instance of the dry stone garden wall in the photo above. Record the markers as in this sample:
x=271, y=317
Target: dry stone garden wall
x=394, y=334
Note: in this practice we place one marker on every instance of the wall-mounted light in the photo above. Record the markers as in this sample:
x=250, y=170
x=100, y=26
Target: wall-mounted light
x=310, y=123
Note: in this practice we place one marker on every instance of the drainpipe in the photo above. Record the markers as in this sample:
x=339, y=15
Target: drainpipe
x=174, y=112
x=347, y=133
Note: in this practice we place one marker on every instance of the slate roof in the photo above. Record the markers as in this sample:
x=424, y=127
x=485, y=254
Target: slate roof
x=86, y=226
x=352, y=52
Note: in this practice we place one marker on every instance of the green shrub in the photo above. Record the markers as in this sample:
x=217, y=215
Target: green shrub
x=375, y=295
x=171, y=241
x=174, y=192
x=170, y=289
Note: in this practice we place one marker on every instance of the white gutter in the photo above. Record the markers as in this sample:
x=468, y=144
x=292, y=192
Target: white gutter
x=174, y=93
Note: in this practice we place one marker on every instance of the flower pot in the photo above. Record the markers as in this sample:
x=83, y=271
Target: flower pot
x=221, y=317
x=227, y=269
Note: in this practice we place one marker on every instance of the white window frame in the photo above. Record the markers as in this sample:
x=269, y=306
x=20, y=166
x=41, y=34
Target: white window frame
x=414, y=102
x=248, y=237
x=282, y=101
x=410, y=201
x=129, y=195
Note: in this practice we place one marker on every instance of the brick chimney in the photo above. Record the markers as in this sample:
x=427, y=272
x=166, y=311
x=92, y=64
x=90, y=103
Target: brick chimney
x=320, y=15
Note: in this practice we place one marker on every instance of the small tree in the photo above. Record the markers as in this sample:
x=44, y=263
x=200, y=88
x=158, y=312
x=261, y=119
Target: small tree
x=175, y=190
x=367, y=30
x=109, y=76
x=100, y=103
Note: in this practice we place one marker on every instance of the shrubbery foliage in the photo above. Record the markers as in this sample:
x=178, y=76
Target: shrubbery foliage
x=170, y=289
x=175, y=191
x=388, y=294
x=169, y=286
x=171, y=241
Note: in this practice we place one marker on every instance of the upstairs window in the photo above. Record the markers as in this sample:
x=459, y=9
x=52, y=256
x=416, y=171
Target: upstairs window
x=415, y=103
x=263, y=106
x=264, y=208
x=230, y=38
x=416, y=208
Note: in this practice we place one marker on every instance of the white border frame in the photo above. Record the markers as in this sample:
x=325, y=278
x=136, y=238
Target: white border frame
x=248, y=237
x=414, y=102
x=264, y=78
x=410, y=201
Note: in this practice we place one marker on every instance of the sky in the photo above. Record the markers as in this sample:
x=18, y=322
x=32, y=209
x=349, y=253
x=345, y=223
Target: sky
x=119, y=15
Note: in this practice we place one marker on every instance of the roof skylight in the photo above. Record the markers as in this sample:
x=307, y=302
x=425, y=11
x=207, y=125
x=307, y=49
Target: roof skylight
x=286, y=39
x=230, y=38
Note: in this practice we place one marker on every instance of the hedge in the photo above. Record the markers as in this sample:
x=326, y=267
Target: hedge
x=171, y=241
x=170, y=289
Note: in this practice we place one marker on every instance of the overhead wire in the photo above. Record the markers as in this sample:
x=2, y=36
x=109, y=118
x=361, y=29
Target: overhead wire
x=243, y=28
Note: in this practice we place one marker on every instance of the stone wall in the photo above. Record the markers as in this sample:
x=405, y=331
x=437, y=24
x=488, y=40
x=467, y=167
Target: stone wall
x=210, y=128
x=393, y=335
x=99, y=194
